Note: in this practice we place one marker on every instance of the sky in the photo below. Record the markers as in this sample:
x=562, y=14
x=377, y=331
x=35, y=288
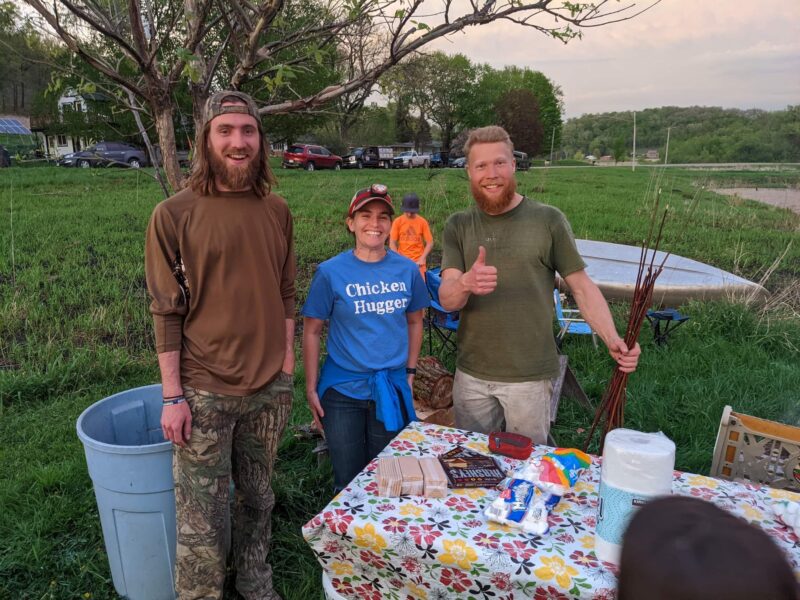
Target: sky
x=728, y=53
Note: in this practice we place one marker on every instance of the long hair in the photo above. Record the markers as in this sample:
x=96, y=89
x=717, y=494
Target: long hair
x=487, y=135
x=201, y=179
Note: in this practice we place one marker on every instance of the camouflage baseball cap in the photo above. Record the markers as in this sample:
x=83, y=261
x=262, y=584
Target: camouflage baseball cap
x=215, y=107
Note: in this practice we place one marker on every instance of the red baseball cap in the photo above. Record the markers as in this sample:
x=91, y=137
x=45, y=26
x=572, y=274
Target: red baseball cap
x=377, y=191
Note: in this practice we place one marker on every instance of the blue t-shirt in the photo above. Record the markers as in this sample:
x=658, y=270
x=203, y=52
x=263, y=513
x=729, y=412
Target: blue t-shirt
x=365, y=304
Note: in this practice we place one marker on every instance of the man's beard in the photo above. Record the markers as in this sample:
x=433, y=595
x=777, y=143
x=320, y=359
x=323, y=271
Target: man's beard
x=232, y=177
x=494, y=206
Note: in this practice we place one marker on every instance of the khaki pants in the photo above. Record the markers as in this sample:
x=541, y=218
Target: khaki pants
x=235, y=437
x=487, y=406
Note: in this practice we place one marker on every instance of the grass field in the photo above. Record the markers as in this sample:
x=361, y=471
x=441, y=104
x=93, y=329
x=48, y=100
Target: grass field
x=74, y=328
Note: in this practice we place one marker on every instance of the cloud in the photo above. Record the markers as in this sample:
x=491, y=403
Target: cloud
x=681, y=52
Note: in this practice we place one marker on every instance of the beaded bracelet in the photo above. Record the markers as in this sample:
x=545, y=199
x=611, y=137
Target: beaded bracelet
x=173, y=401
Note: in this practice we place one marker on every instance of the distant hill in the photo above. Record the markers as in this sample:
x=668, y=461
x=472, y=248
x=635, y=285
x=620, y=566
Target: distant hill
x=698, y=134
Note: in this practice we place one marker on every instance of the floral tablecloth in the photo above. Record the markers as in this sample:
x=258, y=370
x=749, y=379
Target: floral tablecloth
x=427, y=548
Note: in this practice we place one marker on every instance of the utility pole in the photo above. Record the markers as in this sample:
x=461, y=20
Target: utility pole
x=633, y=164
x=666, y=152
x=552, y=141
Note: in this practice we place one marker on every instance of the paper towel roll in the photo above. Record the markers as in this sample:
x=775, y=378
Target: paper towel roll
x=637, y=467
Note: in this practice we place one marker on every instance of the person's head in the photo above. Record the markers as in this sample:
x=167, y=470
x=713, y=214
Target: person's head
x=369, y=217
x=231, y=150
x=490, y=167
x=410, y=206
x=683, y=548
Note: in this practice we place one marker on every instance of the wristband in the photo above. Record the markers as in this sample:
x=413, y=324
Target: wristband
x=411, y=370
x=173, y=401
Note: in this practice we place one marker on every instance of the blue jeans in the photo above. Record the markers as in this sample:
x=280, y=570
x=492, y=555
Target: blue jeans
x=355, y=436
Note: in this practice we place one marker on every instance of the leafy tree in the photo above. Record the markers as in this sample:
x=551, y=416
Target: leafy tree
x=698, y=133
x=25, y=66
x=518, y=112
x=375, y=125
x=619, y=149
x=457, y=147
x=493, y=83
x=435, y=87
x=151, y=49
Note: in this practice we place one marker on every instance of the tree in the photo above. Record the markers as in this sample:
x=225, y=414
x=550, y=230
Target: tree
x=449, y=84
x=435, y=86
x=698, y=134
x=151, y=48
x=493, y=83
x=24, y=69
x=375, y=125
x=619, y=149
x=518, y=113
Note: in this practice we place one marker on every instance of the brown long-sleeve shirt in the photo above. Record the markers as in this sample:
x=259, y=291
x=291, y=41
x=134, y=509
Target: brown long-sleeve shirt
x=236, y=253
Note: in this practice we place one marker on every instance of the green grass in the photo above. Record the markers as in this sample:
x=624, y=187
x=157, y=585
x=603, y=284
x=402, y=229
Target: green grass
x=74, y=328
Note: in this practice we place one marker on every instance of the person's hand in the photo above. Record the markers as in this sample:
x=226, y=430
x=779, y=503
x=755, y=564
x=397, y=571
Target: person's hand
x=481, y=279
x=316, y=409
x=421, y=262
x=626, y=359
x=176, y=423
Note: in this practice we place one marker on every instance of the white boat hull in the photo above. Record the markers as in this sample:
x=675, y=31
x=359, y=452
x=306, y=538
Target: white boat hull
x=613, y=267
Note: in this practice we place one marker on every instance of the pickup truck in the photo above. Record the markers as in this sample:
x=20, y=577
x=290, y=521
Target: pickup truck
x=368, y=156
x=411, y=159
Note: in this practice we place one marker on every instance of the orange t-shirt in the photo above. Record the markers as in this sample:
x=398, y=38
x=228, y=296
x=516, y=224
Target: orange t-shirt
x=411, y=235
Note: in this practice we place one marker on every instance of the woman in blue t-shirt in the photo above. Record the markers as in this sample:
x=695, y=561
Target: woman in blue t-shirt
x=373, y=301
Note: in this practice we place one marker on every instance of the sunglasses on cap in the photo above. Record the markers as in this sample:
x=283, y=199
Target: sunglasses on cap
x=377, y=191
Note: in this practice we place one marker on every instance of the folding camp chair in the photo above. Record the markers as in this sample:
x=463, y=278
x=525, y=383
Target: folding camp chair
x=570, y=321
x=664, y=322
x=440, y=323
x=758, y=450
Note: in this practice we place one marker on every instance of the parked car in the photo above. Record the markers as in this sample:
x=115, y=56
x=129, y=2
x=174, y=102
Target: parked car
x=411, y=159
x=439, y=159
x=5, y=158
x=106, y=154
x=369, y=156
x=458, y=163
x=184, y=156
x=523, y=162
x=310, y=158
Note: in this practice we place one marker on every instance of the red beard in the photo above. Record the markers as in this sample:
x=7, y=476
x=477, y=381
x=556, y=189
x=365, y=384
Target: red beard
x=494, y=206
x=232, y=177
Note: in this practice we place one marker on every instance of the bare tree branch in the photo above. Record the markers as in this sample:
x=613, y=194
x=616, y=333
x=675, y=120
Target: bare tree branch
x=409, y=36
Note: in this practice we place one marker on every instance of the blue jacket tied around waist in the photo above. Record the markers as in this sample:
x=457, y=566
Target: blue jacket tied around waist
x=394, y=404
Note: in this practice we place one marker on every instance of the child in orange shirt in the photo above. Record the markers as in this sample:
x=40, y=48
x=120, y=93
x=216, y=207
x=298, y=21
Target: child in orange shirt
x=411, y=234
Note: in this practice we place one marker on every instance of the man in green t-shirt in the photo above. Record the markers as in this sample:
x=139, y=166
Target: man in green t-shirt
x=498, y=269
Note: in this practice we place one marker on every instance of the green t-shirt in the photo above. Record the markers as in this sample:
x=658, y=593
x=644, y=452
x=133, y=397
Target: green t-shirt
x=508, y=335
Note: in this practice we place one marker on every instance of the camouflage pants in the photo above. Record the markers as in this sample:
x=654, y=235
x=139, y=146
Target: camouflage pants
x=231, y=436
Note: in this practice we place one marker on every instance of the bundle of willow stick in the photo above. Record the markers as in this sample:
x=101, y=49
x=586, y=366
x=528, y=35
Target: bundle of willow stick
x=611, y=412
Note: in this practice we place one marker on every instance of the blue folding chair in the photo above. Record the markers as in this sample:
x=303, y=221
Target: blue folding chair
x=440, y=323
x=664, y=322
x=570, y=321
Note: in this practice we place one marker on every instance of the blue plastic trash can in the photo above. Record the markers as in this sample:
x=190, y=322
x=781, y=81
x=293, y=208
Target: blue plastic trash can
x=131, y=468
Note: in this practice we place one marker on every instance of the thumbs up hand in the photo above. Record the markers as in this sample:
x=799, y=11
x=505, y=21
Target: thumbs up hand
x=481, y=279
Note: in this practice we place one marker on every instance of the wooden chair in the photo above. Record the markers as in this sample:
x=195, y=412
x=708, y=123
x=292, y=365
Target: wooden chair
x=757, y=450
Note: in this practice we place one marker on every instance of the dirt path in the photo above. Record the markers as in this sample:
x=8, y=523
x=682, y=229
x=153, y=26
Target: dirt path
x=782, y=198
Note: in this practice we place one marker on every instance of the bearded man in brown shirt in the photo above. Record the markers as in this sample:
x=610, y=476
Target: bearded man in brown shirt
x=219, y=258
